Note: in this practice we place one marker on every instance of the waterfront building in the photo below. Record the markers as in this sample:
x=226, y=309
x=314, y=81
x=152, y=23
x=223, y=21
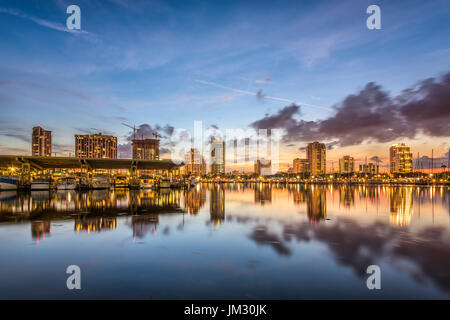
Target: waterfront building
x=217, y=156
x=263, y=167
x=145, y=149
x=316, y=155
x=400, y=158
x=369, y=168
x=194, y=163
x=95, y=146
x=301, y=166
x=346, y=164
x=41, y=142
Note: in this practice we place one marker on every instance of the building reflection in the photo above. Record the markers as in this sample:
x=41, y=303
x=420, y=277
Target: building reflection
x=217, y=204
x=347, y=196
x=194, y=199
x=37, y=203
x=299, y=193
x=401, y=206
x=40, y=229
x=315, y=198
x=316, y=204
x=263, y=193
x=370, y=192
x=95, y=224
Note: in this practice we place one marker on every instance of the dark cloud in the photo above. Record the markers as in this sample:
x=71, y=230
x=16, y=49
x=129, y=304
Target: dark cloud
x=146, y=131
x=61, y=149
x=22, y=137
x=426, y=162
x=376, y=159
x=8, y=130
x=261, y=236
x=372, y=115
x=331, y=145
x=260, y=94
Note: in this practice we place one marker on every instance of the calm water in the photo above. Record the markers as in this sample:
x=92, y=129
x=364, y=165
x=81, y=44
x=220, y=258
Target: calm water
x=232, y=241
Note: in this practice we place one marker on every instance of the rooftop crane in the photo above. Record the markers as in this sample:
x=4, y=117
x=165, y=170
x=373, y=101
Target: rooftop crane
x=132, y=127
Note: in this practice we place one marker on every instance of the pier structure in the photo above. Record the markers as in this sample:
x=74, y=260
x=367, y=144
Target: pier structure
x=26, y=164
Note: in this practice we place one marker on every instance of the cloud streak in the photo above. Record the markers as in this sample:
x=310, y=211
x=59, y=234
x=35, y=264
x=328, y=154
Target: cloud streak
x=259, y=94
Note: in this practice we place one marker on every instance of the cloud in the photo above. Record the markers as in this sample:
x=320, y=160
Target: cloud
x=21, y=137
x=27, y=86
x=263, y=237
x=426, y=162
x=332, y=144
x=372, y=115
x=259, y=95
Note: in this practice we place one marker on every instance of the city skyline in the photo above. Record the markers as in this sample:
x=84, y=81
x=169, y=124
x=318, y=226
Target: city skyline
x=401, y=159
x=230, y=76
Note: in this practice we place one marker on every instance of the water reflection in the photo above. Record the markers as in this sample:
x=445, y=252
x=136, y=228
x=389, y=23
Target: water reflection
x=39, y=229
x=94, y=224
x=142, y=225
x=405, y=229
x=194, y=199
x=217, y=204
x=263, y=193
x=35, y=203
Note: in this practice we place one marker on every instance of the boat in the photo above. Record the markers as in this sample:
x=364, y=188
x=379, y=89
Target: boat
x=42, y=183
x=121, y=181
x=147, y=182
x=164, y=183
x=68, y=183
x=100, y=181
x=9, y=183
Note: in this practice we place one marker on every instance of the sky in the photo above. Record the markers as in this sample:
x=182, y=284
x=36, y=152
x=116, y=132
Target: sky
x=312, y=68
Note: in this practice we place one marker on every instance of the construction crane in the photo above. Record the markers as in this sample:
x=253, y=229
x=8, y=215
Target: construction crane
x=132, y=127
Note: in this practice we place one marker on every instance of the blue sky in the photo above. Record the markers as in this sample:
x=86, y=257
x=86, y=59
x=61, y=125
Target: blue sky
x=161, y=62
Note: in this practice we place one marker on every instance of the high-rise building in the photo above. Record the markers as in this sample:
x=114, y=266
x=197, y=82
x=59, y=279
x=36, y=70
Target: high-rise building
x=263, y=167
x=317, y=156
x=370, y=168
x=194, y=163
x=400, y=157
x=96, y=146
x=145, y=149
x=301, y=166
x=41, y=142
x=346, y=164
x=217, y=156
